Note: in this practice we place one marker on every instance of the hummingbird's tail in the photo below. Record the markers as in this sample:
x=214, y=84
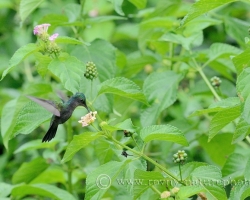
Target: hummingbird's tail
x=51, y=132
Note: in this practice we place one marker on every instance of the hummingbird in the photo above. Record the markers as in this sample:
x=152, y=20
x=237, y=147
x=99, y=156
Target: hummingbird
x=61, y=112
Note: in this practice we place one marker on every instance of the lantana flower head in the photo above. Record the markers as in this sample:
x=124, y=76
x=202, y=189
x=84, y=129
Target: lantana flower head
x=88, y=119
x=41, y=29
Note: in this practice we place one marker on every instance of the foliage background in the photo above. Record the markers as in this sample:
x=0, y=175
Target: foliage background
x=165, y=53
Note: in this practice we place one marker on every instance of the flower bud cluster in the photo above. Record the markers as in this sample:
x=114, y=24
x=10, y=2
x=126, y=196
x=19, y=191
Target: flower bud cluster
x=170, y=193
x=180, y=157
x=91, y=71
x=216, y=81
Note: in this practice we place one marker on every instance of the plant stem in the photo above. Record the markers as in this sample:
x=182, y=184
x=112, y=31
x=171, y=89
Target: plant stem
x=69, y=138
x=180, y=170
x=199, y=69
x=28, y=72
x=147, y=158
x=91, y=89
x=171, y=54
x=155, y=189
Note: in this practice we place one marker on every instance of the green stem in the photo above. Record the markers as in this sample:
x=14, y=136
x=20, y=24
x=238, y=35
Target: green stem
x=155, y=189
x=171, y=54
x=70, y=169
x=199, y=69
x=147, y=158
x=28, y=72
x=91, y=89
x=180, y=171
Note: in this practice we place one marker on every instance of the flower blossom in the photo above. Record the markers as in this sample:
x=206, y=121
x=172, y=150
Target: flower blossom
x=53, y=37
x=41, y=29
x=88, y=118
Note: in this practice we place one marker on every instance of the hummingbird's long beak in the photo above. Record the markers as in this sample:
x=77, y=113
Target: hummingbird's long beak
x=87, y=108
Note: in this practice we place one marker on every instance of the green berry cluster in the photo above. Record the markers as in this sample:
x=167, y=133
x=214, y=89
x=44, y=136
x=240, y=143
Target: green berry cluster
x=216, y=81
x=180, y=157
x=91, y=71
x=53, y=48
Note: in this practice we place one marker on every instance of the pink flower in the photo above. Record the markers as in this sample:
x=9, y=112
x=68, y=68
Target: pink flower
x=93, y=13
x=53, y=37
x=40, y=29
x=88, y=119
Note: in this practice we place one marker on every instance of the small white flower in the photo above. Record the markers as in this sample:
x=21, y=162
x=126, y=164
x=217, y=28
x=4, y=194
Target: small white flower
x=165, y=194
x=88, y=118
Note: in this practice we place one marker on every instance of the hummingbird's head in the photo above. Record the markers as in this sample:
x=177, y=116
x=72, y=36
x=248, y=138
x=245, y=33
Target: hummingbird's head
x=81, y=100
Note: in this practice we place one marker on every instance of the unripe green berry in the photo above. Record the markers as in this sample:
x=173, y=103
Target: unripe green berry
x=91, y=71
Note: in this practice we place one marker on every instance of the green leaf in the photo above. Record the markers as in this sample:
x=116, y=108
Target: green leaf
x=73, y=11
x=79, y=142
x=8, y=114
x=163, y=132
x=129, y=174
x=27, y=7
x=19, y=56
x=215, y=192
x=36, y=144
x=30, y=117
x=160, y=90
x=240, y=191
x=205, y=179
x=187, y=42
x=226, y=103
x=43, y=190
x=100, y=19
x=53, y=174
x=217, y=50
x=69, y=40
x=105, y=151
x=135, y=63
x=5, y=190
x=234, y=166
x=209, y=172
x=219, y=148
x=242, y=61
x=188, y=191
x=100, y=179
x=235, y=28
x=188, y=168
x=246, y=172
x=151, y=26
x=140, y=4
x=222, y=118
x=203, y=6
x=199, y=24
x=122, y=87
x=102, y=53
x=241, y=131
x=42, y=62
x=125, y=125
x=70, y=70
x=118, y=6
x=242, y=84
x=218, y=106
x=29, y=170
x=145, y=180
x=246, y=110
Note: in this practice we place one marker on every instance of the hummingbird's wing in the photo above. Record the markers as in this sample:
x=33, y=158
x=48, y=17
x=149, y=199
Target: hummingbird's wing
x=48, y=105
x=62, y=96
